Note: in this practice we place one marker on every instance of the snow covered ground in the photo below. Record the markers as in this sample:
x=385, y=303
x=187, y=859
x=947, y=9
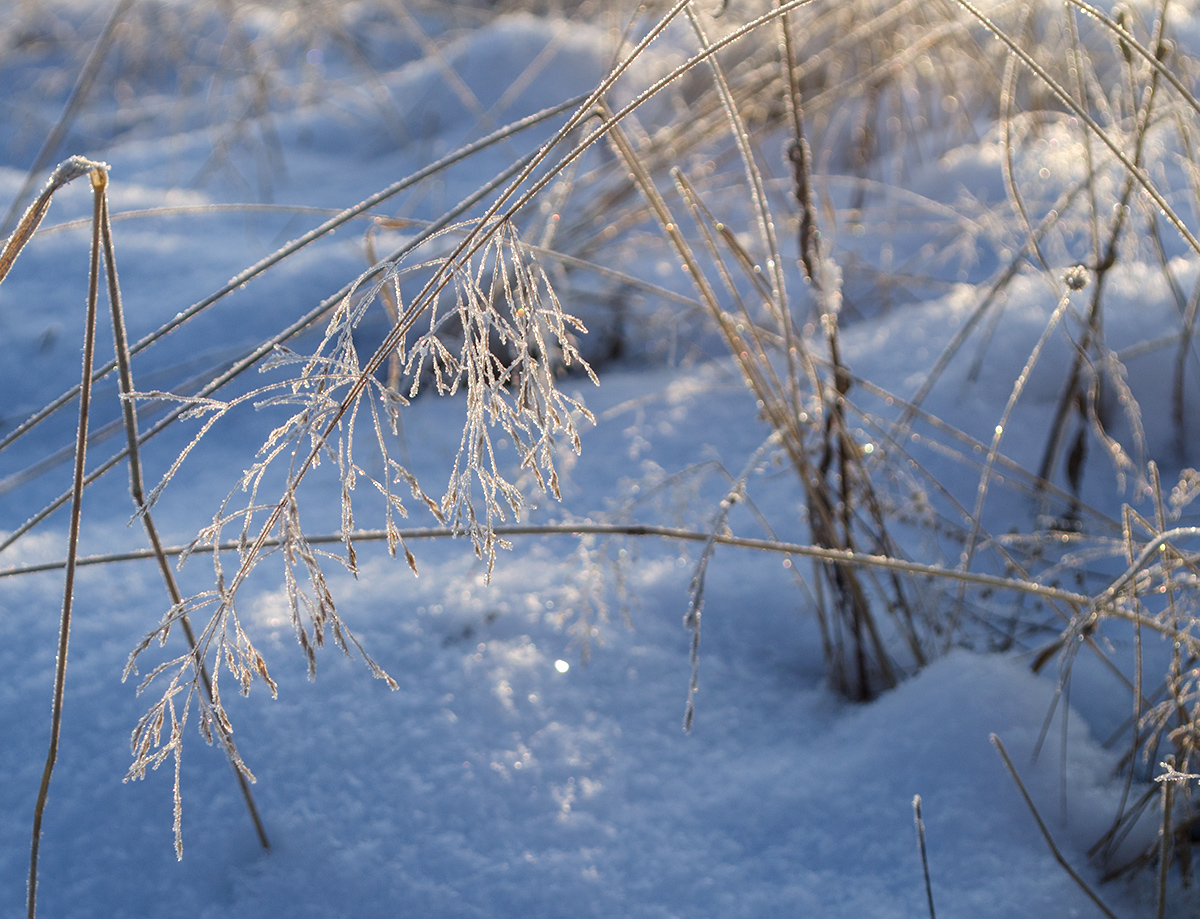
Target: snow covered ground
x=531, y=760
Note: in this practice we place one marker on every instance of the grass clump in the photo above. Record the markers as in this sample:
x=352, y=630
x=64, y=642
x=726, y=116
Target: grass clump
x=778, y=176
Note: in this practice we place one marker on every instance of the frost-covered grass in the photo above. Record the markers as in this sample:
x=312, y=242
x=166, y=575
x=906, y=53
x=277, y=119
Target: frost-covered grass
x=862, y=345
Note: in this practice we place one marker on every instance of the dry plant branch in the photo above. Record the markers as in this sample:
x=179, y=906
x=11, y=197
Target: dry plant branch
x=865, y=664
x=803, y=550
x=255, y=355
x=538, y=402
x=101, y=247
x=920, y=824
x=137, y=491
x=72, y=169
x=1054, y=850
x=244, y=277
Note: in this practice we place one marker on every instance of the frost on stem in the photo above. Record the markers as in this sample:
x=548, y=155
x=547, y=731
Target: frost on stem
x=513, y=338
x=1076, y=277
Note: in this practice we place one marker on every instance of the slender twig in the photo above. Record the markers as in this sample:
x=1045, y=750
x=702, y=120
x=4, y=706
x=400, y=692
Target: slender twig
x=64, y=632
x=613, y=529
x=1054, y=850
x=1164, y=835
x=1073, y=395
x=1002, y=425
x=696, y=588
x=138, y=492
x=920, y=822
x=1169, y=778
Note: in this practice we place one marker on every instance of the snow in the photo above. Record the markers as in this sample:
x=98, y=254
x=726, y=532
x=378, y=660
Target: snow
x=531, y=760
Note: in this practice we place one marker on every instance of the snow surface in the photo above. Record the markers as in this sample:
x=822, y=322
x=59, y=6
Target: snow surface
x=508, y=775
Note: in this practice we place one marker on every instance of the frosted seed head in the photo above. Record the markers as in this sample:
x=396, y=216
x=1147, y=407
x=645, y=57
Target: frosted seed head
x=1076, y=277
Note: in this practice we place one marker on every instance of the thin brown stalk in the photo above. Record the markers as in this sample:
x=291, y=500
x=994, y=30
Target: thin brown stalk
x=830, y=516
x=64, y=633
x=1081, y=87
x=1109, y=842
x=803, y=550
x=1165, y=847
x=920, y=823
x=696, y=588
x=1058, y=856
x=138, y=493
